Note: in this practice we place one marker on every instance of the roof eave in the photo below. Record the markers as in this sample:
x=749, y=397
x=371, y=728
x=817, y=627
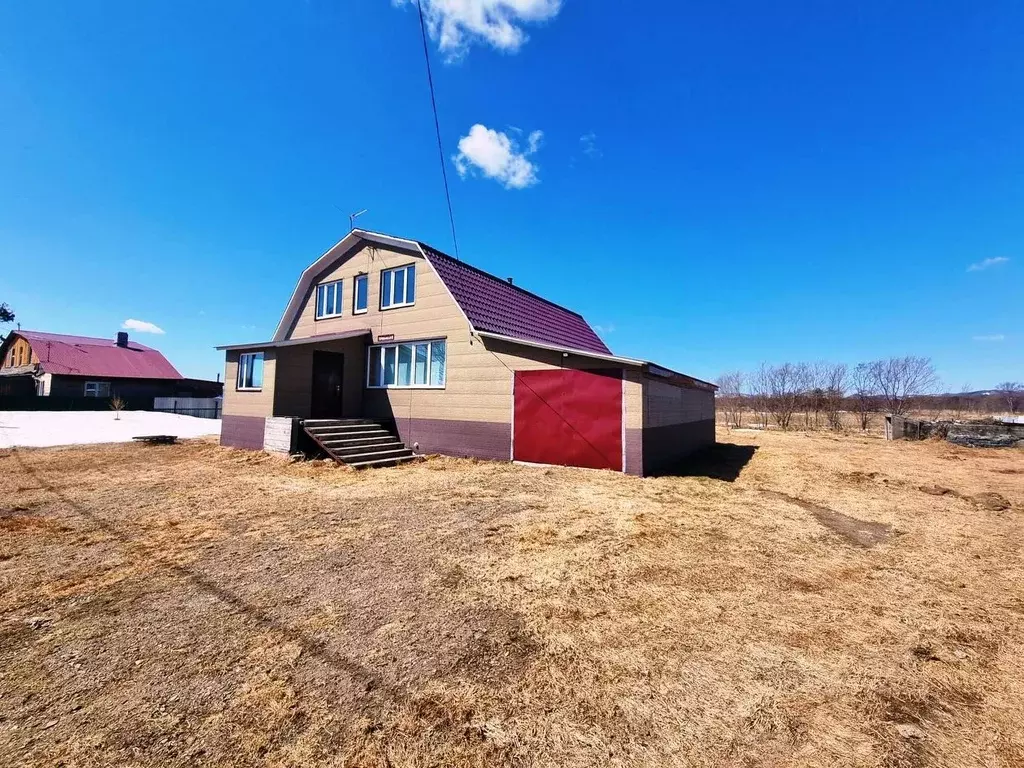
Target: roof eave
x=323, y=339
x=563, y=349
x=652, y=368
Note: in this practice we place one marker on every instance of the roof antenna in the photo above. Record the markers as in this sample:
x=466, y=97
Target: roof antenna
x=352, y=219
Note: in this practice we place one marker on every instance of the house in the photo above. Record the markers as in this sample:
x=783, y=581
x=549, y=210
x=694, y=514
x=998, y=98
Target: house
x=56, y=365
x=457, y=362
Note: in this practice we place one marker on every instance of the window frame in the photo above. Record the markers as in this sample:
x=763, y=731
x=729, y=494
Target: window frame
x=339, y=302
x=239, y=387
x=412, y=345
x=96, y=385
x=405, y=283
x=365, y=278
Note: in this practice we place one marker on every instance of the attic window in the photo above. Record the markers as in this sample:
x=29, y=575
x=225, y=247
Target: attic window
x=360, y=293
x=328, y=300
x=398, y=287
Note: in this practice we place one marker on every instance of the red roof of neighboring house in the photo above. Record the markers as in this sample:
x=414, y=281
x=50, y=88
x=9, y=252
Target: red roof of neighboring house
x=498, y=306
x=87, y=356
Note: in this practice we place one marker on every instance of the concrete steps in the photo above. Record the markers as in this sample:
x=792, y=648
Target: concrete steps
x=358, y=443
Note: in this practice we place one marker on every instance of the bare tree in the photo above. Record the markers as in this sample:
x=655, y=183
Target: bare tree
x=863, y=389
x=785, y=385
x=961, y=402
x=834, y=380
x=117, y=405
x=761, y=397
x=730, y=394
x=1012, y=393
x=812, y=377
x=900, y=378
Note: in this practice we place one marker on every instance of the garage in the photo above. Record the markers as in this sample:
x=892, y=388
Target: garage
x=568, y=417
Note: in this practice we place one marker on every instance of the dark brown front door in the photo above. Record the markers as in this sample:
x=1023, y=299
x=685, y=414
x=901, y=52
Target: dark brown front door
x=328, y=368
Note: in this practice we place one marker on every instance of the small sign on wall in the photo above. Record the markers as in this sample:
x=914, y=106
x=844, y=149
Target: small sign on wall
x=386, y=337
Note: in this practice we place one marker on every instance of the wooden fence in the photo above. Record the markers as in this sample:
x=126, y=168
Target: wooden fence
x=203, y=407
x=61, y=403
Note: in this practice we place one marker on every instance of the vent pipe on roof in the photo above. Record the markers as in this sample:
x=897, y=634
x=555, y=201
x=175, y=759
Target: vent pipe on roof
x=122, y=339
x=509, y=280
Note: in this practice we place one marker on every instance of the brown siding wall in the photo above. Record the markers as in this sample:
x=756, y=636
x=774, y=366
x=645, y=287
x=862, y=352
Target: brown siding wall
x=678, y=420
x=476, y=389
x=244, y=402
x=242, y=431
x=293, y=390
x=434, y=312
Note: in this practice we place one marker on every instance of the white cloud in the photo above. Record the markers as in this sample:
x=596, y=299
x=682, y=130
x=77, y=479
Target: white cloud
x=610, y=328
x=457, y=24
x=589, y=143
x=141, y=326
x=497, y=156
x=991, y=337
x=986, y=263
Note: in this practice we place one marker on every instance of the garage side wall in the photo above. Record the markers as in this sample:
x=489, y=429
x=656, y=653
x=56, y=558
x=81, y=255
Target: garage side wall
x=678, y=420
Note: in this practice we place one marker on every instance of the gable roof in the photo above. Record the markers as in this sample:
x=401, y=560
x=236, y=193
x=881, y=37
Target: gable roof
x=496, y=305
x=89, y=356
x=488, y=302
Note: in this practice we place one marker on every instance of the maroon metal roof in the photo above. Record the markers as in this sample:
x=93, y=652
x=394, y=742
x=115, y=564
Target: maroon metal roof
x=87, y=356
x=498, y=306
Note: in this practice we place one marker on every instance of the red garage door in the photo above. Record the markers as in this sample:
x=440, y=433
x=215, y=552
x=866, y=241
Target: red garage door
x=569, y=417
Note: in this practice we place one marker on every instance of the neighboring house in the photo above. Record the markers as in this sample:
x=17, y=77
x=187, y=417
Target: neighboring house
x=461, y=363
x=52, y=364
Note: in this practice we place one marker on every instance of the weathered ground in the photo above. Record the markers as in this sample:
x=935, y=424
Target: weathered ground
x=826, y=600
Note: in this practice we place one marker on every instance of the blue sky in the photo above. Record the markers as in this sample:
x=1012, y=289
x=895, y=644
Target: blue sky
x=712, y=184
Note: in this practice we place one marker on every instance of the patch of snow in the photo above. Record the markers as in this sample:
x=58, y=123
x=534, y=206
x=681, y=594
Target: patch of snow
x=47, y=428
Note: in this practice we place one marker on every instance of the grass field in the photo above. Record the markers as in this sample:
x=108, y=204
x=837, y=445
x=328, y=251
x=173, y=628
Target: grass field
x=800, y=599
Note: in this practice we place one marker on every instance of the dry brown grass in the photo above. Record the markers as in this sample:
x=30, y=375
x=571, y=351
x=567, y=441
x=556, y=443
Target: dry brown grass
x=191, y=604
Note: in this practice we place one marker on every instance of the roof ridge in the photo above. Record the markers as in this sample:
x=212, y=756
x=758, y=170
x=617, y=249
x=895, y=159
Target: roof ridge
x=500, y=280
x=98, y=339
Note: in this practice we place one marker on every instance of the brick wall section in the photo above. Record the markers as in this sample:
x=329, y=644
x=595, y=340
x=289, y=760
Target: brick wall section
x=279, y=434
x=634, y=452
x=242, y=431
x=480, y=439
x=678, y=420
x=632, y=421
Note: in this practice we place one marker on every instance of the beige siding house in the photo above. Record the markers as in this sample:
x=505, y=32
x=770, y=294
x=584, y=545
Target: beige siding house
x=455, y=361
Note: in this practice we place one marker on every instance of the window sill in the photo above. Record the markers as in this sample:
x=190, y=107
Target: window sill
x=398, y=306
x=416, y=386
x=327, y=317
x=248, y=389
x=358, y=311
